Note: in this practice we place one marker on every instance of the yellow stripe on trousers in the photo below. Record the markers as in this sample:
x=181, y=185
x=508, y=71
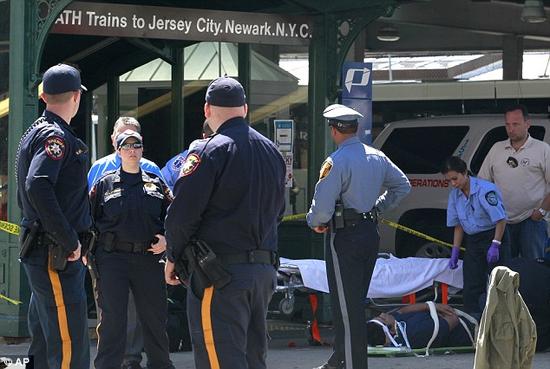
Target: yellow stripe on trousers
x=207, y=328
x=66, y=350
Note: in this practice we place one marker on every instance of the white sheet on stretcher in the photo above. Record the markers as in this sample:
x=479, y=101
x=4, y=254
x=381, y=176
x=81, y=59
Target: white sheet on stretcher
x=393, y=277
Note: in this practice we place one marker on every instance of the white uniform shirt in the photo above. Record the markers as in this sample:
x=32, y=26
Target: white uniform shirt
x=523, y=176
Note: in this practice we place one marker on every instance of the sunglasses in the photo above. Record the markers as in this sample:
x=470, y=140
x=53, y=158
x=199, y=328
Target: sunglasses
x=130, y=146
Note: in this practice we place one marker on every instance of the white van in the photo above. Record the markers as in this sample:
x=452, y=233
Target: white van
x=419, y=148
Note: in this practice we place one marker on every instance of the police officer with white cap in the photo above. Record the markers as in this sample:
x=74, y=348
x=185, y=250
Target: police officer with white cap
x=345, y=205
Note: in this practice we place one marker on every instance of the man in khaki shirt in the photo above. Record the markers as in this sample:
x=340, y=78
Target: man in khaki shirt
x=520, y=167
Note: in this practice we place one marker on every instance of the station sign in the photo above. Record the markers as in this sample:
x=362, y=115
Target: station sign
x=357, y=94
x=120, y=20
x=284, y=140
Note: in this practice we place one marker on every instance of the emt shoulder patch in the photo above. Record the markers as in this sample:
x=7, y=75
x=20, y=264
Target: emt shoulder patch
x=191, y=164
x=325, y=169
x=177, y=163
x=55, y=147
x=491, y=198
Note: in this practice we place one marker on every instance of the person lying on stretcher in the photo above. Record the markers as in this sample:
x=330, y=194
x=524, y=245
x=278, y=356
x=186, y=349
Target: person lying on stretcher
x=421, y=325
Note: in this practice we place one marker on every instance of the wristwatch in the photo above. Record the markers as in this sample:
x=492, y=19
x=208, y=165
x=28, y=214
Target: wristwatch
x=543, y=212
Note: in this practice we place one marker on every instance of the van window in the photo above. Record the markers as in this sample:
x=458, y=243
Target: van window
x=422, y=150
x=493, y=136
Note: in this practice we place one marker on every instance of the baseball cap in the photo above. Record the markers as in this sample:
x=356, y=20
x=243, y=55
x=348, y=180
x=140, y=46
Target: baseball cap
x=122, y=137
x=226, y=92
x=62, y=78
x=341, y=116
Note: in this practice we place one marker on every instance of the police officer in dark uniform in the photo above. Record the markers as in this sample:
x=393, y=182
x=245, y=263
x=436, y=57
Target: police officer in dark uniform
x=51, y=192
x=345, y=205
x=128, y=207
x=230, y=195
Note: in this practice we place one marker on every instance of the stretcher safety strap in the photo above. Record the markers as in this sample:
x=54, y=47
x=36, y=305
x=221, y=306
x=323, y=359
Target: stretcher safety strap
x=435, y=318
x=207, y=328
x=63, y=325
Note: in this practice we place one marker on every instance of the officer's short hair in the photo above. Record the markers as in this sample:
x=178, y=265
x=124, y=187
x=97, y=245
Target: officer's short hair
x=347, y=129
x=375, y=334
x=515, y=107
x=55, y=99
x=126, y=121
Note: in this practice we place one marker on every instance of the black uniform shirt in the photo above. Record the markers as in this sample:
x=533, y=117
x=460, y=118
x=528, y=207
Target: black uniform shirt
x=130, y=205
x=51, y=180
x=230, y=193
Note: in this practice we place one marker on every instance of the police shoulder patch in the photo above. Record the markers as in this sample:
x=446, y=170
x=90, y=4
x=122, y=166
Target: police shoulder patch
x=491, y=198
x=325, y=169
x=192, y=162
x=55, y=147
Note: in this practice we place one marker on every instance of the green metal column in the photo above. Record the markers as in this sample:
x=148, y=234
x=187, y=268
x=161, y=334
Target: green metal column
x=177, y=131
x=30, y=21
x=23, y=111
x=113, y=113
x=244, y=65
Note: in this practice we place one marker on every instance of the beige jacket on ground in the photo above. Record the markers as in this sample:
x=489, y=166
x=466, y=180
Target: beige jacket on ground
x=507, y=336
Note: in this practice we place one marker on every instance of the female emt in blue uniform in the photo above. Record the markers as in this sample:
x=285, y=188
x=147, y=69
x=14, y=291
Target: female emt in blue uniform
x=128, y=207
x=51, y=169
x=348, y=195
x=476, y=212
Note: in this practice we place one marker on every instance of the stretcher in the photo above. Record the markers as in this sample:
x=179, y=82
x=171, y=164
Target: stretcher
x=392, y=278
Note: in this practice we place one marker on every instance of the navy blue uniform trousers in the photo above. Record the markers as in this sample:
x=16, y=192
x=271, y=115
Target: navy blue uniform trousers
x=144, y=275
x=57, y=319
x=228, y=326
x=350, y=255
x=476, y=270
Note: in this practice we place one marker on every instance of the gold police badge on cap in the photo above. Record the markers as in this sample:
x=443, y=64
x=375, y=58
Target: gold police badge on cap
x=325, y=169
x=191, y=164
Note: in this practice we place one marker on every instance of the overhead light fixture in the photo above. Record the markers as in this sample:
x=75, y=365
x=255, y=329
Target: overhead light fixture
x=388, y=33
x=533, y=12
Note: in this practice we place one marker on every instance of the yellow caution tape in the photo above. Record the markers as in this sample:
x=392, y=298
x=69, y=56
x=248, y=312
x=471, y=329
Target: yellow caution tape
x=391, y=224
x=416, y=233
x=9, y=227
x=11, y=301
x=13, y=229
x=294, y=217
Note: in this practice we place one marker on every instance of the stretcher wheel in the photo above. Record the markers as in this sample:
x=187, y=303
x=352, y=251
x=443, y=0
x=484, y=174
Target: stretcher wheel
x=286, y=306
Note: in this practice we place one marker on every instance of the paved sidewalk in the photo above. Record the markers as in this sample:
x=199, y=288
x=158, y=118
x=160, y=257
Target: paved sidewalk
x=303, y=356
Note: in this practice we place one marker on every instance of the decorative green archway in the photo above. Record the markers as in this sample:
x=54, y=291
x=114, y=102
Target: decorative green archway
x=337, y=25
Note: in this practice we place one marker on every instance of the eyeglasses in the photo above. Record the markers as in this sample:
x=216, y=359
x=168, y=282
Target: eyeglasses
x=130, y=146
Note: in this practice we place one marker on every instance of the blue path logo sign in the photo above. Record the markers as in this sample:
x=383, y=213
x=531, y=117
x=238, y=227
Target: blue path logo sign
x=357, y=94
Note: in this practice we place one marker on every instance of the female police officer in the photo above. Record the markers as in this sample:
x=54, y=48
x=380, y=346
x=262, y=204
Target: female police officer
x=129, y=206
x=476, y=212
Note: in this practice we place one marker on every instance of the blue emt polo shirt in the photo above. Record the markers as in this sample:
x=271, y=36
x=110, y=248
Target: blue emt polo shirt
x=479, y=212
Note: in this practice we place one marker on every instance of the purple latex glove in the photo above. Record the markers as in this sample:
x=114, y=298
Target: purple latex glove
x=453, y=261
x=493, y=253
